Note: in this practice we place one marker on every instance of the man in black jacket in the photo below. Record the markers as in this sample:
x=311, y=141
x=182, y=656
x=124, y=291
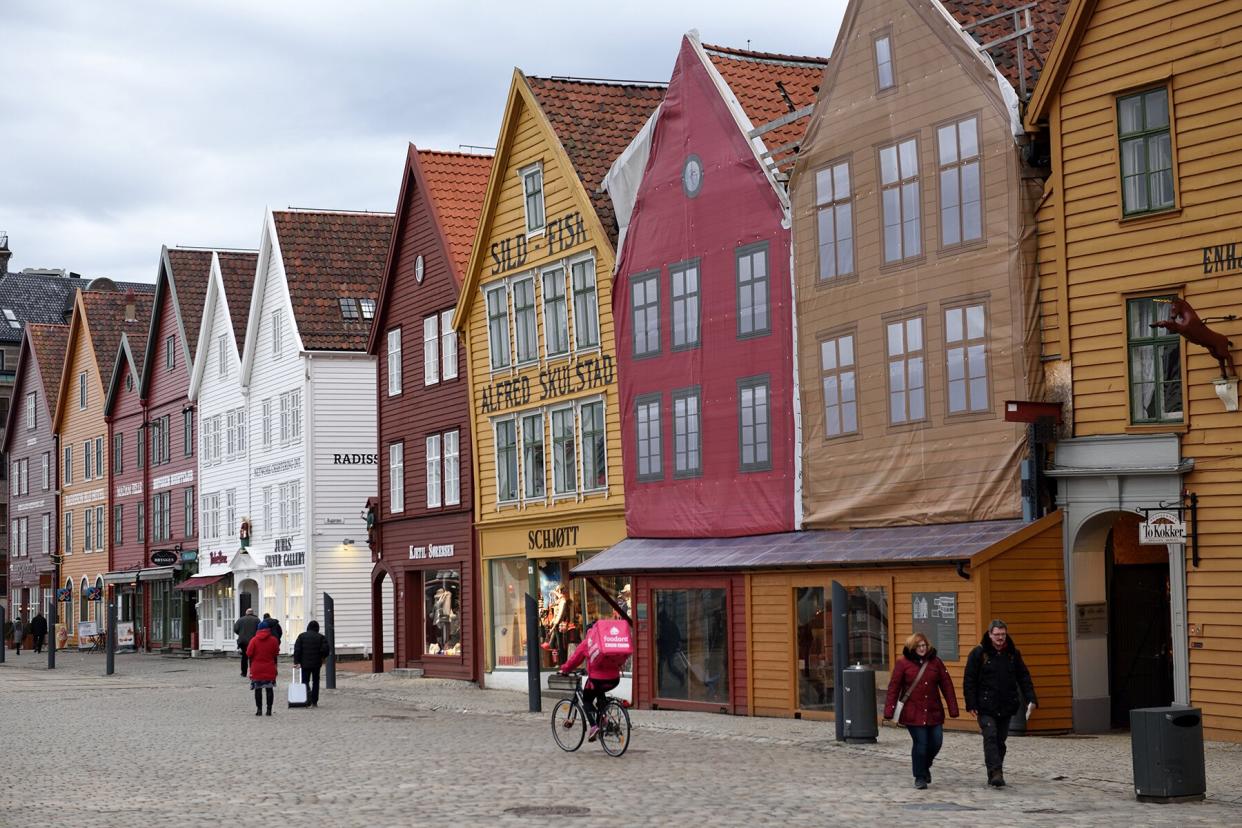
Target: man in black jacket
x=309, y=652
x=245, y=628
x=995, y=676
x=38, y=629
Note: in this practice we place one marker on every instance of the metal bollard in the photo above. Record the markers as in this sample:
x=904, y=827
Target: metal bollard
x=4, y=617
x=534, y=685
x=329, y=624
x=51, y=625
x=110, y=647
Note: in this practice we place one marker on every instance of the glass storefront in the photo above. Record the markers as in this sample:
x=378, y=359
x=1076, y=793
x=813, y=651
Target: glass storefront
x=692, y=656
x=867, y=622
x=559, y=605
x=868, y=625
x=442, y=604
x=509, y=582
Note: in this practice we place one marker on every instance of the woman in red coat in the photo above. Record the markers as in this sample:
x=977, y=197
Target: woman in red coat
x=922, y=714
x=262, y=652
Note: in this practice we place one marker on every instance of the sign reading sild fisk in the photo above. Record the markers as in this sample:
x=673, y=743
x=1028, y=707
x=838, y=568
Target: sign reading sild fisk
x=587, y=373
x=1162, y=526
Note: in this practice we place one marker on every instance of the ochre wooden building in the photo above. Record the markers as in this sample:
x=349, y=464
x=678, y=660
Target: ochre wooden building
x=535, y=317
x=1138, y=107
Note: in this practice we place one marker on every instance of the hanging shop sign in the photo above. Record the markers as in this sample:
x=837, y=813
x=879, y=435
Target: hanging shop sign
x=164, y=557
x=1163, y=526
x=431, y=550
x=935, y=616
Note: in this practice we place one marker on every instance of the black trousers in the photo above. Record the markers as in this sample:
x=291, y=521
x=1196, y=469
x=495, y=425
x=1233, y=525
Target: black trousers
x=995, y=730
x=595, y=695
x=270, y=692
x=311, y=679
x=38, y=642
x=245, y=665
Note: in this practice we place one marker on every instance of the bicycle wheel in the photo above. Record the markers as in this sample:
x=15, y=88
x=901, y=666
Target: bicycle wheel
x=614, y=731
x=568, y=725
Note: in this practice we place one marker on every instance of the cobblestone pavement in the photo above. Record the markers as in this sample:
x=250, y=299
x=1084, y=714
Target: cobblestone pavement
x=171, y=741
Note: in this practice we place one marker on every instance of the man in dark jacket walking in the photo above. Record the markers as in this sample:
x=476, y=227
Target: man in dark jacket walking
x=38, y=629
x=274, y=626
x=995, y=675
x=309, y=652
x=245, y=628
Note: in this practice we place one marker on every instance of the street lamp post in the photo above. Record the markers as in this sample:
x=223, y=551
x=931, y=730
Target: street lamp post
x=54, y=613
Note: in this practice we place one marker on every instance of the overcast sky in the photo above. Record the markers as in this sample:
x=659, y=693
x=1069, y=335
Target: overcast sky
x=127, y=125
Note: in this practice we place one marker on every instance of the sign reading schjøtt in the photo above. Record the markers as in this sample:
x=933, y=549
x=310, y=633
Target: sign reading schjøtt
x=1161, y=527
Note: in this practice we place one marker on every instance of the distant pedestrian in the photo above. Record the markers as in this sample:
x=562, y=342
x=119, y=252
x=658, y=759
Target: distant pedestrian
x=309, y=652
x=995, y=676
x=38, y=629
x=262, y=652
x=245, y=628
x=919, y=680
x=274, y=625
x=19, y=632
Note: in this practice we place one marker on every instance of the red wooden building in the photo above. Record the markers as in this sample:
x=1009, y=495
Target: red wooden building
x=424, y=550
x=705, y=342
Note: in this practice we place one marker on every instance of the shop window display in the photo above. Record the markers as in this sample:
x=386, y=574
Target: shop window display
x=441, y=600
x=560, y=613
x=692, y=659
x=509, y=584
x=594, y=607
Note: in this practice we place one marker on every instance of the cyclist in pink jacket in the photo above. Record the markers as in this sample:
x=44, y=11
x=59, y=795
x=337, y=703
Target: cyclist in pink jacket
x=602, y=677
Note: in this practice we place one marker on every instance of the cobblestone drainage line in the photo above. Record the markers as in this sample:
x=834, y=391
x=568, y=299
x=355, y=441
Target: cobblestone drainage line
x=548, y=810
x=938, y=806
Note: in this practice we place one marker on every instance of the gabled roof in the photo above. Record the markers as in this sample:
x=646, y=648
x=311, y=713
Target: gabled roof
x=328, y=256
x=40, y=298
x=45, y=346
x=188, y=270
x=125, y=355
x=1046, y=19
x=1074, y=25
x=237, y=274
x=595, y=121
x=454, y=185
x=770, y=86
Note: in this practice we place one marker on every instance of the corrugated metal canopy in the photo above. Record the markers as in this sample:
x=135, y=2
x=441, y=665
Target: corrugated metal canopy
x=892, y=545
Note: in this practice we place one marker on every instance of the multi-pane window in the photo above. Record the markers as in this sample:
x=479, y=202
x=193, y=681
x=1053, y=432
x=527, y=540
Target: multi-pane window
x=118, y=525
x=99, y=455
x=1155, y=359
x=498, y=326
x=267, y=408
x=906, y=395
x=187, y=432
x=650, y=451
x=396, y=477
x=532, y=189
x=290, y=507
x=140, y=446
x=1146, y=151
x=966, y=352
x=170, y=355
x=687, y=434
x=564, y=460
x=140, y=521
x=99, y=528
x=433, y=472
x=47, y=470
x=211, y=516
x=448, y=346
x=161, y=517
x=525, y=327
x=278, y=329
x=594, y=446
x=188, y=511
x=961, y=195
x=230, y=511
x=68, y=544
x=754, y=429
x=452, y=468
x=88, y=540
x=45, y=541
x=834, y=220
x=685, y=279
x=82, y=390
x=157, y=442
x=555, y=313
x=506, y=460
x=884, y=63
x=32, y=416
x=231, y=430
x=290, y=416
x=533, y=455
x=88, y=460
x=586, y=305
x=368, y=308
x=899, y=193
x=645, y=313
x=752, y=290
x=222, y=355
x=67, y=476
x=394, y=368
x=349, y=307
x=268, y=526
x=431, y=349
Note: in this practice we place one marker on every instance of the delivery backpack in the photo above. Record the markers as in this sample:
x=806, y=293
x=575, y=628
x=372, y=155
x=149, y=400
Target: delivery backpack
x=609, y=644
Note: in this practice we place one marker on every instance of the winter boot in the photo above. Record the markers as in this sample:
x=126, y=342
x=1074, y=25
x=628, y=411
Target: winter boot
x=996, y=778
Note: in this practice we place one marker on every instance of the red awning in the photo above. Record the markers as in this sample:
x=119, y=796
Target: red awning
x=199, y=581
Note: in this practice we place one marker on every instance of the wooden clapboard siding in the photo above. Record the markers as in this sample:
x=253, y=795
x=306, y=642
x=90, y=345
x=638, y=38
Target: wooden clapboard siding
x=1196, y=49
x=966, y=468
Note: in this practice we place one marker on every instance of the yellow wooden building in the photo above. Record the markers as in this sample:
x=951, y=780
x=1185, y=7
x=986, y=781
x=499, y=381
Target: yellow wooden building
x=1139, y=105
x=535, y=314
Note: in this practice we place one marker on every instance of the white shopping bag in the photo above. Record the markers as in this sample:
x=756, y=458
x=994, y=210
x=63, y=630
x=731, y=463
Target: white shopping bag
x=297, y=690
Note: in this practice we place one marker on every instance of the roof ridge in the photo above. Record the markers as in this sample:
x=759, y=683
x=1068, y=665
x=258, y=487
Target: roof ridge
x=328, y=212
x=766, y=57
x=457, y=153
x=599, y=81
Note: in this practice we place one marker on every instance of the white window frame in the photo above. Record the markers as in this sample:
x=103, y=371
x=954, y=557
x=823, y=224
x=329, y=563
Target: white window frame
x=517, y=448
x=431, y=349
x=550, y=275
x=222, y=353
x=32, y=417
x=589, y=309
x=396, y=477
x=586, y=486
x=267, y=422
x=81, y=390
x=434, y=477
x=535, y=224
x=451, y=450
x=448, y=346
x=278, y=318
x=569, y=471
x=492, y=344
x=394, y=362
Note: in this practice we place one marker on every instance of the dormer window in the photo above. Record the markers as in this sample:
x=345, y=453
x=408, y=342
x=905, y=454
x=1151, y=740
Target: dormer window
x=368, y=308
x=884, y=63
x=532, y=189
x=349, y=308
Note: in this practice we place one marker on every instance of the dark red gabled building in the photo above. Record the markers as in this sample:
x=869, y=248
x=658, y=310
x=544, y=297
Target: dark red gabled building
x=424, y=549
x=125, y=413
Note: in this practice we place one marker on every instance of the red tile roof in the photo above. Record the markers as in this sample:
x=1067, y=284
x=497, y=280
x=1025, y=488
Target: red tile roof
x=595, y=121
x=769, y=86
x=190, y=270
x=1046, y=19
x=105, y=314
x=237, y=273
x=49, y=343
x=329, y=256
x=457, y=183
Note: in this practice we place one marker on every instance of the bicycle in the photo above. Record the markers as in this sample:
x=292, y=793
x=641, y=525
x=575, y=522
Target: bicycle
x=569, y=720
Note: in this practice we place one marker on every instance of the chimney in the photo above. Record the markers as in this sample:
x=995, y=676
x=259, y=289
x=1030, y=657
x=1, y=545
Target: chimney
x=131, y=306
x=4, y=253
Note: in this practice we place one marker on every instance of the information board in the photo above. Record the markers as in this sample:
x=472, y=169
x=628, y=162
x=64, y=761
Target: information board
x=935, y=616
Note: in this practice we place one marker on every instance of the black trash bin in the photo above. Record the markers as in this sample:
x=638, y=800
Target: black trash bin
x=862, y=723
x=1166, y=744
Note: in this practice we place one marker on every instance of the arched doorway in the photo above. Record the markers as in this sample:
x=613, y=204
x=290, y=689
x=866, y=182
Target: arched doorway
x=384, y=637
x=247, y=596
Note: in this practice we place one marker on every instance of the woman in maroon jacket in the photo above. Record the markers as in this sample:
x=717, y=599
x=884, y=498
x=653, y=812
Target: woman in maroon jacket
x=262, y=652
x=922, y=714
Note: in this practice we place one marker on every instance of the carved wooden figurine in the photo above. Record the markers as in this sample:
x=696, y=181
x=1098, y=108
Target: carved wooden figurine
x=1183, y=320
